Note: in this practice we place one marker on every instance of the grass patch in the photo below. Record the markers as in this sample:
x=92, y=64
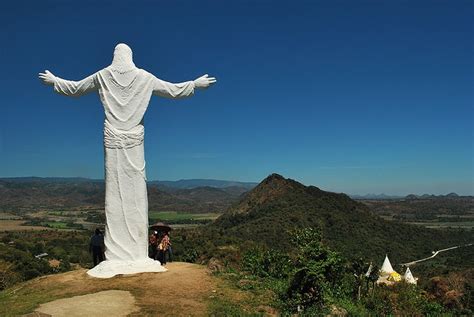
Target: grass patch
x=20, y=301
x=224, y=307
x=56, y=213
x=55, y=224
x=244, y=295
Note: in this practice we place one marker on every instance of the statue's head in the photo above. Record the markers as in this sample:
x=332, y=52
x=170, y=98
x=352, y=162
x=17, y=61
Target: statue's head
x=123, y=58
x=123, y=51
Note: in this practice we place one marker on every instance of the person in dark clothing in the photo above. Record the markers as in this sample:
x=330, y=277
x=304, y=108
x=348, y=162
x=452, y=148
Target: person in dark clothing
x=170, y=254
x=152, y=245
x=170, y=250
x=96, y=247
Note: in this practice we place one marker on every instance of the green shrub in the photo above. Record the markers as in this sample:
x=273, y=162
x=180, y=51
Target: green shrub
x=401, y=299
x=266, y=263
x=318, y=271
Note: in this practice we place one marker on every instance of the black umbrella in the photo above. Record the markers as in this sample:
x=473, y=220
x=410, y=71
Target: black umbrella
x=160, y=226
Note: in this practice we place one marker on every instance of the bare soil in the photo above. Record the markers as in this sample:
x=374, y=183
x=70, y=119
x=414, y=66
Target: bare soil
x=105, y=303
x=184, y=290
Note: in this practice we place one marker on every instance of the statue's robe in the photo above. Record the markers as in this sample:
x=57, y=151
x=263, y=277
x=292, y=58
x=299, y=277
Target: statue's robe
x=126, y=202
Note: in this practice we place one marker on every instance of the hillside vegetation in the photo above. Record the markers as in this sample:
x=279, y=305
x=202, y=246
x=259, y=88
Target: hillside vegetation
x=312, y=248
x=270, y=211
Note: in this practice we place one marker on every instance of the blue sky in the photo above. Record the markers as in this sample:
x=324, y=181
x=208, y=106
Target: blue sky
x=350, y=96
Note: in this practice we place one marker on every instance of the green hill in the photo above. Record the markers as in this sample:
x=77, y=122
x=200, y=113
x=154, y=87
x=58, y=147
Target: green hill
x=277, y=205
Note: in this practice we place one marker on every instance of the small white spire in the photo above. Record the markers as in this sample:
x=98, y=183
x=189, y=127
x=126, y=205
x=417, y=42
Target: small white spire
x=386, y=266
x=408, y=277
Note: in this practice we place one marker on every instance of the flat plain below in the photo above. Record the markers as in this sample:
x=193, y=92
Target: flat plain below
x=17, y=225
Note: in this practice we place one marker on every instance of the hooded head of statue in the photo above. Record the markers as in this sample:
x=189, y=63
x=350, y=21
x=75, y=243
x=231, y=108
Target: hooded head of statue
x=123, y=59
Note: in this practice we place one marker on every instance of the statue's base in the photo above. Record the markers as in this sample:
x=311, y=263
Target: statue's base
x=110, y=268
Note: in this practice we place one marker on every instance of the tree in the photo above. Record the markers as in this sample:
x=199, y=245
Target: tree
x=373, y=277
x=318, y=269
x=358, y=269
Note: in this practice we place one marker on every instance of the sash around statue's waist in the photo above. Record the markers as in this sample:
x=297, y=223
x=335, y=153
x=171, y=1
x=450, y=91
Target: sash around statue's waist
x=121, y=139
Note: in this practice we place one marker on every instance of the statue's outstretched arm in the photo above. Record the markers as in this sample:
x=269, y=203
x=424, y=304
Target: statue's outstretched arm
x=165, y=89
x=69, y=87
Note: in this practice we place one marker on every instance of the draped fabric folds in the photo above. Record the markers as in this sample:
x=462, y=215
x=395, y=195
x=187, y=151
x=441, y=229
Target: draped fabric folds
x=125, y=97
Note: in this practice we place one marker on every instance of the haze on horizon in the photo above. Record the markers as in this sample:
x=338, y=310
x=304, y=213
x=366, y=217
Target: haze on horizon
x=366, y=97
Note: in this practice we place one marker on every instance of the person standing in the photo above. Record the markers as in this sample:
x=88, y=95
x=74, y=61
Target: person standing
x=163, y=248
x=170, y=250
x=153, y=239
x=96, y=247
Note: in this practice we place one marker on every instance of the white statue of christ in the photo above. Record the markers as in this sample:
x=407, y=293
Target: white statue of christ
x=125, y=92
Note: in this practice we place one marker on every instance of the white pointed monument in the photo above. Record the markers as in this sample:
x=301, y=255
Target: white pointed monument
x=408, y=277
x=125, y=92
x=369, y=270
x=386, y=266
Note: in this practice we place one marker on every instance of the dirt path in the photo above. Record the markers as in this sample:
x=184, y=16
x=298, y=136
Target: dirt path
x=182, y=291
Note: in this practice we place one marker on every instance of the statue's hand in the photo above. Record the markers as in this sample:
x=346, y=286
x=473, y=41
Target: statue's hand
x=47, y=77
x=204, y=81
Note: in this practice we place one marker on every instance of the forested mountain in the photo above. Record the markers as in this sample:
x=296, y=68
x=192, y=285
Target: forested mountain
x=269, y=212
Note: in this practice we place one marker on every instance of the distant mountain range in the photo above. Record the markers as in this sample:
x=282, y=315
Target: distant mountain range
x=193, y=183
x=427, y=196
x=182, y=183
x=411, y=196
x=375, y=196
x=216, y=183
x=20, y=195
x=34, y=179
